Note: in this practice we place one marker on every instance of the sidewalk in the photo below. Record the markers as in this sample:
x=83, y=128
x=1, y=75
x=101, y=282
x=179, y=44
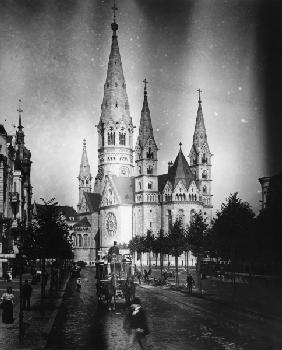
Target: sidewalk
x=37, y=326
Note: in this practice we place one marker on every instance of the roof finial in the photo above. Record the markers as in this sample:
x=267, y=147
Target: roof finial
x=199, y=91
x=180, y=144
x=20, y=110
x=84, y=143
x=145, y=81
x=114, y=24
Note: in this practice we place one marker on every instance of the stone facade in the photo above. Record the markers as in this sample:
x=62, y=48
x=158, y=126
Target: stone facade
x=131, y=198
x=15, y=188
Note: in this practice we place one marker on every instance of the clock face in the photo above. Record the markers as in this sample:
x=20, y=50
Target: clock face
x=111, y=224
x=124, y=171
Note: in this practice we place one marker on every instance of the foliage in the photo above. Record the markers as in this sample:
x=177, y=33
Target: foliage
x=233, y=230
x=137, y=244
x=197, y=235
x=176, y=239
x=48, y=235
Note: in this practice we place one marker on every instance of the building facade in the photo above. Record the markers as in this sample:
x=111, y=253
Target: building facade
x=15, y=187
x=130, y=197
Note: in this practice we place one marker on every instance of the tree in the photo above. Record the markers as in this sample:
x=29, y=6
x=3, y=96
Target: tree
x=176, y=243
x=233, y=233
x=197, y=239
x=149, y=244
x=137, y=245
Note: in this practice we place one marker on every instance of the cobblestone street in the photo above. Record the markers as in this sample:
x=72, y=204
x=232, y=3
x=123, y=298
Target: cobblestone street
x=176, y=321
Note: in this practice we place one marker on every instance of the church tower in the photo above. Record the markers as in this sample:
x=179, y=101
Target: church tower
x=115, y=128
x=84, y=179
x=200, y=158
x=146, y=180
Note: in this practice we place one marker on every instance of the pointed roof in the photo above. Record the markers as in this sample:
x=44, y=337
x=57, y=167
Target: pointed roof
x=180, y=170
x=115, y=104
x=200, y=135
x=93, y=200
x=125, y=188
x=82, y=223
x=145, y=129
x=84, y=164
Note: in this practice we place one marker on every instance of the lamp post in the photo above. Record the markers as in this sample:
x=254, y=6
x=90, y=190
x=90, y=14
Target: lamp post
x=21, y=324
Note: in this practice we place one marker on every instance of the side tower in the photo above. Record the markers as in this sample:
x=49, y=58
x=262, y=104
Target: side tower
x=115, y=128
x=200, y=159
x=146, y=180
x=84, y=179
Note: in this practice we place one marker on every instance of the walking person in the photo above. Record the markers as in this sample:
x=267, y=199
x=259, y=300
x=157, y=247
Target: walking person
x=190, y=282
x=136, y=325
x=26, y=294
x=78, y=284
x=7, y=306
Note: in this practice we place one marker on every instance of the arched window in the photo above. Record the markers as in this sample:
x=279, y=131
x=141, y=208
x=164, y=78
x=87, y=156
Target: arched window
x=181, y=216
x=204, y=189
x=79, y=241
x=111, y=137
x=177, y=197
x=150, y=154
x=122, y=137
x=204, y=174
x=116, y=104
x=88, y=241
x=192, y=214
x=204, y=159
x=184, y=197
x=85, y=241
x=140, y=186
x=150, y=185
x=190, y=197
x=139, y=170
x=149, y=170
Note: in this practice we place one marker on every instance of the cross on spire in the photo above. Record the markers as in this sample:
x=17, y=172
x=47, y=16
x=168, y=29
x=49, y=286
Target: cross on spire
x=20, y=110
x=180, y=144
x=145, y=81
x=84, y=143
x=199, y=91
x=114, y=8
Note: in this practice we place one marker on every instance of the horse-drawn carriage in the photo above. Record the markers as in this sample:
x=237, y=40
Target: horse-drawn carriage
x=115, y=280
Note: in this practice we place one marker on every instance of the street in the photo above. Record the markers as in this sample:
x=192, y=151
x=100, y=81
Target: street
x=176, y=321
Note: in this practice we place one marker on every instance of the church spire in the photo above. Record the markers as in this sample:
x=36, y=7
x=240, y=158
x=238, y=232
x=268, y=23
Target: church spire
x=84, y=164
x=145, y=129
x=200, y=135
x=20, y=133
x=115, y=105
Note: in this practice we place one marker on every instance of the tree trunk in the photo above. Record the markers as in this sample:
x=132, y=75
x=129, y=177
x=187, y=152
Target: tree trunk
x=168, y=263
x=176, y=272
x=141, y=265
x=161, y=262
x=199, y=273
x=156, y=259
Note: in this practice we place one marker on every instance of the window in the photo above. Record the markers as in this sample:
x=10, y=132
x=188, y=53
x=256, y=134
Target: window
x=149, y=170
x=204, y=159
x=111, y=137
x=150, y=154
x=150, y=185
x=116, y=104
x=140, y=186
x=79, y=241
x=140, y=170
x=122, y=138
x=204, y=189
x=85, y=241
x=116, y=84
x=204, y=174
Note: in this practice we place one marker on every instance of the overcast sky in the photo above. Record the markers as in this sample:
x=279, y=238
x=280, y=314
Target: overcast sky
x=54, y=56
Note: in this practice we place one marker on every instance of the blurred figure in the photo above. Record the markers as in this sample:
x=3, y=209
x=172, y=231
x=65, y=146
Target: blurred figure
x=78, y=284
x=26, y=294
x=136, y=326
x=190, y=282
x=7, y=306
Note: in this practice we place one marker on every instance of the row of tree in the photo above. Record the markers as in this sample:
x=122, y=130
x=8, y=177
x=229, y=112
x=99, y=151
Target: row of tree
x=235, y=236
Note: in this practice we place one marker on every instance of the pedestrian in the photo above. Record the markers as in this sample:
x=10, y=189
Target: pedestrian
x=136, y=326
x=7, y=306
x=26, y=294
x=78, y=284
x=190, y=282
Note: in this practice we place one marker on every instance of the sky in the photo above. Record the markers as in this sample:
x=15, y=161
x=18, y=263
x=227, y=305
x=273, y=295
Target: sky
x=54, y=56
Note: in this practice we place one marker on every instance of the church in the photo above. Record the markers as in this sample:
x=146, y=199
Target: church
x=129, y=197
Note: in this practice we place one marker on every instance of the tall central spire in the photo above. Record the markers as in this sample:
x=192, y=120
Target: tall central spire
x=115, y=105
x=200, y=135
